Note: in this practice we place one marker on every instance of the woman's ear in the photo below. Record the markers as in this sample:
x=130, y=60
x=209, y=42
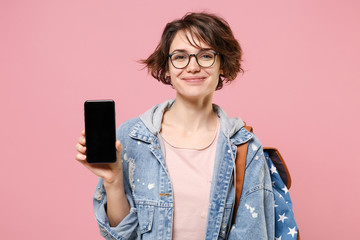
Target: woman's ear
x=167, y=72
x=168, y=78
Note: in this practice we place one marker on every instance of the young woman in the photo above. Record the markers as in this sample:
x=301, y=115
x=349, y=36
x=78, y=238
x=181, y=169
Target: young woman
x=174, y=174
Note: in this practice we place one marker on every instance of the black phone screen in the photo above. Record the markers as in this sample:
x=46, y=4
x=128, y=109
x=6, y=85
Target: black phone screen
x=100, y=131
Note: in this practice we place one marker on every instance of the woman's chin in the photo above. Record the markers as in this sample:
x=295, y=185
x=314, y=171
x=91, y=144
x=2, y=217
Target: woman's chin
x=194, y=95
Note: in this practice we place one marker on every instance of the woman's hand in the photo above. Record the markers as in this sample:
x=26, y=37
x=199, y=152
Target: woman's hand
x=111, y=173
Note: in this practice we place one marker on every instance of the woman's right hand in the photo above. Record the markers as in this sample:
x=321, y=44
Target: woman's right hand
x=111, y=173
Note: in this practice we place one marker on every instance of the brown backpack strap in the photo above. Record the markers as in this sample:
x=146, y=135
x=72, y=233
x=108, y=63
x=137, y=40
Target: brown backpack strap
x=240, y=164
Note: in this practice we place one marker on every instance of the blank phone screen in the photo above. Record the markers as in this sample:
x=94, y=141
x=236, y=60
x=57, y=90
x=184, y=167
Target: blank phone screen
x=100, y=131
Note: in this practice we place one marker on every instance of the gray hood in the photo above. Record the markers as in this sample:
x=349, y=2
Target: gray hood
x=153, y=118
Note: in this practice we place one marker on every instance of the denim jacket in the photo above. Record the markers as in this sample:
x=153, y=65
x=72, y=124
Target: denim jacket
x=149, y=191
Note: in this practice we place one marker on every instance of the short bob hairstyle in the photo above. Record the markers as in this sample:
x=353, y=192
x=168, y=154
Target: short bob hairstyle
x=207, y=28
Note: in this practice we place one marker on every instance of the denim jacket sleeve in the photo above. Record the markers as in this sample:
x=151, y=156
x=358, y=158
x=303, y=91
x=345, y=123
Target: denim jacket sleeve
x=127, y=229
x=255, y=213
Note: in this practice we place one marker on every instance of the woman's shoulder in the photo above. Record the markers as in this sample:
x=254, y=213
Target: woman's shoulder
x=126, y=127
x=254, y=148
x=129, y=123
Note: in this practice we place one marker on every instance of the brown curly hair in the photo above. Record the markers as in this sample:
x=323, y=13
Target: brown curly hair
x=208, y=28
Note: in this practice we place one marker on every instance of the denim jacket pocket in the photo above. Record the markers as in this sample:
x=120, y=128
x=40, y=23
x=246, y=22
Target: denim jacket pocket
x=145, y=217
x=225, y=221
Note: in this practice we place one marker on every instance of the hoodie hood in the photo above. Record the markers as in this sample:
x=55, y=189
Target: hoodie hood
x=153, y=118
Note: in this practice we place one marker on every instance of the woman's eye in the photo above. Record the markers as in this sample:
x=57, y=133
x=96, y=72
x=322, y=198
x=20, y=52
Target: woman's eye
x=206, y=56
x=179, y=57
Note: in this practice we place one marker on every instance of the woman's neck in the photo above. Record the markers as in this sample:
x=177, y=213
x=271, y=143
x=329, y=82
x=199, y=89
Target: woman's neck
x=191, y=115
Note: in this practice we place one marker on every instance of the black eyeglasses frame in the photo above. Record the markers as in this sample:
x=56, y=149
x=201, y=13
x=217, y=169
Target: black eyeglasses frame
x=193, y=55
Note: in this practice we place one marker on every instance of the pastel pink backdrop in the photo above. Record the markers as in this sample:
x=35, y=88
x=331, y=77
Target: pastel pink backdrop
x=300, y=91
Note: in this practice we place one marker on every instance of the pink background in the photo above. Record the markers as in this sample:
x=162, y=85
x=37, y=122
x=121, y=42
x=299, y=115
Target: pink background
x=302, y=96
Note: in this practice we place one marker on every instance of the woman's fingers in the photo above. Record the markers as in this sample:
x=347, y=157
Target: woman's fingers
x=118, y=145
x=118, y=150
x=80, y=148
x=80, y=157
x=82, y=140
x=107, y=171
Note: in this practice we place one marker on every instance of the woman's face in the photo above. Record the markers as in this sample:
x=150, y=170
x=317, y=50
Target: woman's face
x=193, y=81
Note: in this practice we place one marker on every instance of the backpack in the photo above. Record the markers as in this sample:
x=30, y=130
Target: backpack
x=285, y=225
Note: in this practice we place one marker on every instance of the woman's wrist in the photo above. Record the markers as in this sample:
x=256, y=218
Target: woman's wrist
x=117, y=204
x=114, y=184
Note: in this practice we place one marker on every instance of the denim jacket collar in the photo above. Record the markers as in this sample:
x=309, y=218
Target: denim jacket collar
x=150, y=127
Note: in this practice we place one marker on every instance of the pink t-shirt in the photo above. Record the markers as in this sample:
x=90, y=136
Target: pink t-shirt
x=191, y=173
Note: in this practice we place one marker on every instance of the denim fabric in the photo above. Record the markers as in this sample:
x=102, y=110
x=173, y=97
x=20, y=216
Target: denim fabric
x=285, y=224
x=149, y=191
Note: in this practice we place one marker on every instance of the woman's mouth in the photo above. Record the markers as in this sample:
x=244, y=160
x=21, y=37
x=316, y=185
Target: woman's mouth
x=194, y=79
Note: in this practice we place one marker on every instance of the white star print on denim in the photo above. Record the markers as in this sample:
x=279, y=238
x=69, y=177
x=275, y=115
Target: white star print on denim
x=292, y=231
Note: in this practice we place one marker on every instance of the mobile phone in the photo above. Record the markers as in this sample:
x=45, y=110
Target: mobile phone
x=100, y=131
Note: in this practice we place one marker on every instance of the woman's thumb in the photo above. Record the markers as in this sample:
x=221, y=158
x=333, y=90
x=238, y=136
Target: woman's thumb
x=118, y=149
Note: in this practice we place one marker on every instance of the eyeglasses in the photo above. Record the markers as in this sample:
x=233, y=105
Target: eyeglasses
x=204, y=58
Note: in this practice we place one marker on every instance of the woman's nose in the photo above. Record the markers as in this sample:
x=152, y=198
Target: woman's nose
x=193, y=66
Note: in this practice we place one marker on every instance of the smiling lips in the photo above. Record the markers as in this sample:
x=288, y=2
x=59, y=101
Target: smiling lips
x=194, y=79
